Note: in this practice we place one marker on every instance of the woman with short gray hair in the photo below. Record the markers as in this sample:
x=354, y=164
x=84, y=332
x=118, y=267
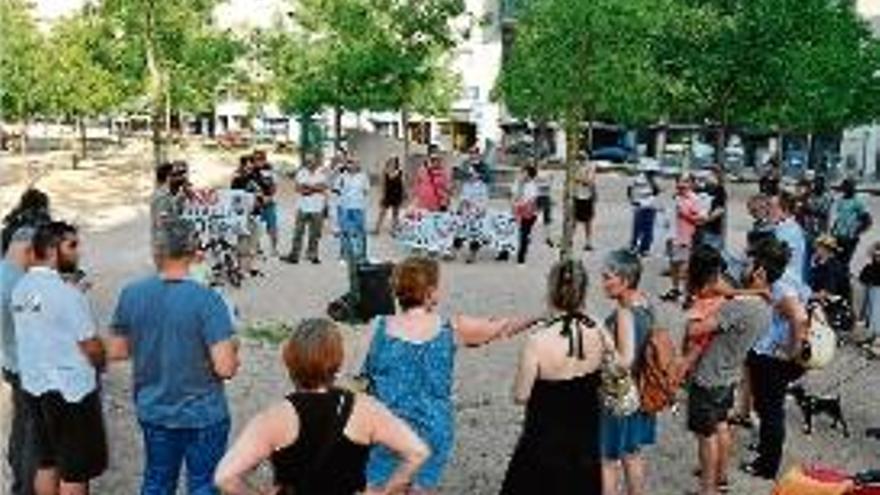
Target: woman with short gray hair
x=629, y=325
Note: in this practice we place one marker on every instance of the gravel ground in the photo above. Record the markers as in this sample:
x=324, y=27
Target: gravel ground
x=487, y=421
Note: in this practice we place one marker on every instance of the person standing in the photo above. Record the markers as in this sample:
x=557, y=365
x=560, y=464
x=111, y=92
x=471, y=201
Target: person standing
x=642, y=195
x=787, y=230
x=851, y=220
x=319, y=437
x=432, y=189
x=772, y=362
x=585, y=198
x=179, y=336
x=623, y=437
x=59, y=354
x=718, y=368
x=687, y=217
x=869, y=278
x=473, y=204
x=392, y=194
x=32, y=210
x=247, y=179
x=269, y=188
x=558, y=452
x=352, y=188
x=711, y=230
x=410, y=364
x=312, y=186
x=525, y=206
x=20, y=451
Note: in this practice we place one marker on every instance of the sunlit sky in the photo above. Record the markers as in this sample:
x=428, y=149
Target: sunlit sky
x=259, y=12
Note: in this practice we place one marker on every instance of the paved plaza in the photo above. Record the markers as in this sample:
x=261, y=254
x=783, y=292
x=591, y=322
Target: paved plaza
x=487, y=421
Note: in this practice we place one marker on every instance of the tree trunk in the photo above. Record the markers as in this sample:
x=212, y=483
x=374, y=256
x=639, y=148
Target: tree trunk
x=23, y=139
x=304, y=122
x=167, y=100
x=156, y=92
x=83, y=139
x=808, y=160
x=337, y=129
x=720, y=143
x=572, y=138
x=404, y=118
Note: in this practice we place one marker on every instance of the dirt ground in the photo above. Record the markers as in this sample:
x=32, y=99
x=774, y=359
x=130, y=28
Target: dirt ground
x=108, y=199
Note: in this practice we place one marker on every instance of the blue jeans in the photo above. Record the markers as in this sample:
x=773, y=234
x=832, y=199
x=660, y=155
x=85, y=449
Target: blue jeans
x=352, y=234
x=643, y=230
x=168, y=448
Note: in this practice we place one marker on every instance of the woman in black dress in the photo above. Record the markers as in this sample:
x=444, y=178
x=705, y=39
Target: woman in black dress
x=392, y=193
x=558, y=381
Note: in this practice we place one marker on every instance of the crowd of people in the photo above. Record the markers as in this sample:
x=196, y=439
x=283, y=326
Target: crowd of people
x=391, y=428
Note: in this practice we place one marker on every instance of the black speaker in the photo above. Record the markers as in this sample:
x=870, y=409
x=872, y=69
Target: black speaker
x=371, y=287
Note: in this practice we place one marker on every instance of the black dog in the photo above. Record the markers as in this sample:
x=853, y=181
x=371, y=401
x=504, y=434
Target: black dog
x=812, y=405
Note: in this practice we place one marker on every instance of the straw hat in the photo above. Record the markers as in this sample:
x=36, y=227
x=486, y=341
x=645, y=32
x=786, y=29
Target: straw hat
x=827, y=241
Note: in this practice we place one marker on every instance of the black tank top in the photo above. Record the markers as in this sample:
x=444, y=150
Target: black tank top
x=322, y=461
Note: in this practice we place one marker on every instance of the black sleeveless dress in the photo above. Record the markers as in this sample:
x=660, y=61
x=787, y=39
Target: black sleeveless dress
x=393, y=194
x=322, y=461
x=558, y=452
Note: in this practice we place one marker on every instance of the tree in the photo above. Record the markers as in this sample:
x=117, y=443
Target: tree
x=21, y=50
x=176, y=49
x=828, y=72
x=788, y=65
x=75, y=82
x=573, y=62
x=364, y=55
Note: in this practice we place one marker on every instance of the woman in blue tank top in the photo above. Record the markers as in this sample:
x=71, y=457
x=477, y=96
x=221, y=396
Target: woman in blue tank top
x=410, y=365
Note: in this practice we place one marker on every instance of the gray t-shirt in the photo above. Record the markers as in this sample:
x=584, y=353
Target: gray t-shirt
x=740, y=322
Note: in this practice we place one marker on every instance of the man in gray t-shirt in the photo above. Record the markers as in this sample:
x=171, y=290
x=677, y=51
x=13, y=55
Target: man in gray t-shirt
x=738, y=324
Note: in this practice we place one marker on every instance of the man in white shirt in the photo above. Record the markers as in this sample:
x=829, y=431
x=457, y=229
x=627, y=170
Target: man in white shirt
x=353, y=189
x=58, y=352
x=312, y=186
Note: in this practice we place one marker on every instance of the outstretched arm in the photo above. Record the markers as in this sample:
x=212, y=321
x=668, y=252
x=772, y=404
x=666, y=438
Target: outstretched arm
x=473, y=331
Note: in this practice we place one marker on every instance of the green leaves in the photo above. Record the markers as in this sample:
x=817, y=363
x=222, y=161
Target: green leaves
x=573, y=60
x=21, y=50
x=364, y=54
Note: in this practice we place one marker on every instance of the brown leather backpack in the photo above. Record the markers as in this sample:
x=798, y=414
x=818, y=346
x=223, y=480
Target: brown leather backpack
x=661, y=373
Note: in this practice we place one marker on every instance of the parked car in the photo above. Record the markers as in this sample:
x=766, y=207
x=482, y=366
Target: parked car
x=615, y=154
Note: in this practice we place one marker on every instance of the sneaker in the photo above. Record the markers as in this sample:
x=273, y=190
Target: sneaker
x=289, y=259
x=751, y=468
x=316, y=261
x=588, y=247
x=742, y=421
x=671, y=296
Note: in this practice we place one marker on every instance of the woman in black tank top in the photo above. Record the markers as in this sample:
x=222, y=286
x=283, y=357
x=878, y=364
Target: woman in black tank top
x=318, y=439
